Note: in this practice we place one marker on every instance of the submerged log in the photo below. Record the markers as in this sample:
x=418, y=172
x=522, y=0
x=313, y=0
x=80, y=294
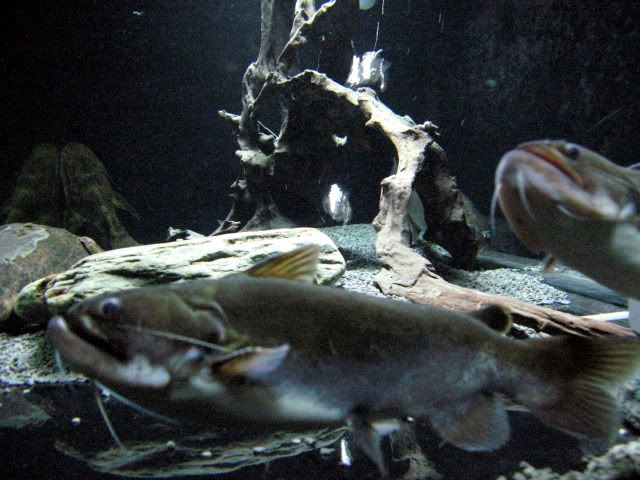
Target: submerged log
x=405, y=279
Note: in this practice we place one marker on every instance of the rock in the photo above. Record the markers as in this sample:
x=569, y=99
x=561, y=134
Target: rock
x=28, y=359
x=209, y=257
x=70, y=188
x=619, y=463
x=29, y=251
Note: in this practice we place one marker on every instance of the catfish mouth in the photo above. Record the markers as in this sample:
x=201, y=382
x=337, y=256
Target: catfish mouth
x=535, y=169
x=552, y=157
x=79, y=326
x=93, y=355
x=532, y=180
x=579, y=190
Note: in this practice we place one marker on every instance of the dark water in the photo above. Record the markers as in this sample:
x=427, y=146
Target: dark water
x=141, y=83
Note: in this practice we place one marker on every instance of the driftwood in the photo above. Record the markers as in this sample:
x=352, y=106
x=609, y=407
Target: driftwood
x=426, y=287
x=331, y=134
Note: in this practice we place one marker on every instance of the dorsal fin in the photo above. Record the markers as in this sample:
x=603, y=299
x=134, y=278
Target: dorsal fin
x=495, y=317
x=298, y=264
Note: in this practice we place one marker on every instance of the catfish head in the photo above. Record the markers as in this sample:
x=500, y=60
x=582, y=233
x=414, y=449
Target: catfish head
x=132, y=339
x=167, y=350
x=573, y=204
x=539, y=179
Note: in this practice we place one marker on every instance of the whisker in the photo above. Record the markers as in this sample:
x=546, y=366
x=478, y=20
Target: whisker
x=106, y=419
x=174, y=336
x=494, y=210
x=523, y=195
x=568, y=213
x=59, y=364
x=135, y=406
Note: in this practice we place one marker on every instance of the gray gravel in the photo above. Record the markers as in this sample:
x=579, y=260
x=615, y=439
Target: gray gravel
x=357, y=243
x=27, y=360
x=508, y=282
x=621, y=462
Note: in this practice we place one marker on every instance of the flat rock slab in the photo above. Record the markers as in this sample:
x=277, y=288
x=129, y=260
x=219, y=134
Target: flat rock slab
x=209, y=257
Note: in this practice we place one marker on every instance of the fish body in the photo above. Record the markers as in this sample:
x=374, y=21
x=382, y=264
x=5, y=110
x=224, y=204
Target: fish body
x=571, y=203
x=91, y=204
x=271, y=352
x=38, y=196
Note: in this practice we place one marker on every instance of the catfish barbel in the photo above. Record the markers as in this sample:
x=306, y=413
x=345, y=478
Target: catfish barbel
x=268, y=350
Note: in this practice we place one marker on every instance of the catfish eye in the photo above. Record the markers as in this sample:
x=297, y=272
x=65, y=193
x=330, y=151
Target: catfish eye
x=109, y=307
x=572, y=151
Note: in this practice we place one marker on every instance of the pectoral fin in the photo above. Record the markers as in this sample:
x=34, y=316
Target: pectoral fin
x=299, y=264
x=251, y=363
x=480, y=424
x=368, y=436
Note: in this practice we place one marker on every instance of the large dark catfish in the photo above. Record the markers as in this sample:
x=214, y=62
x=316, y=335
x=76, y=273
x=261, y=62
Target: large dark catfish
x=263, y=349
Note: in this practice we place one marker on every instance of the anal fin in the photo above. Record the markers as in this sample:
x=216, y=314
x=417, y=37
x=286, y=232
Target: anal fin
x=368, y=436
x=479, y=424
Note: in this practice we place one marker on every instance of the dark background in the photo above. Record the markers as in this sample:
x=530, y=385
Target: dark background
x=143, y=91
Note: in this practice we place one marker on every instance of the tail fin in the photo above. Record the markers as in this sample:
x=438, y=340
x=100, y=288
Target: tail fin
x=581, y=371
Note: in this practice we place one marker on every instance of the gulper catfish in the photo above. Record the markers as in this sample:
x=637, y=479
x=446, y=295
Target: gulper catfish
x=575, y=205
x=267, y=349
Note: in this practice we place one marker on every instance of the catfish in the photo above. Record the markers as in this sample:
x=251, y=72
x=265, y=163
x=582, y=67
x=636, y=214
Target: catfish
x=267, y=349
